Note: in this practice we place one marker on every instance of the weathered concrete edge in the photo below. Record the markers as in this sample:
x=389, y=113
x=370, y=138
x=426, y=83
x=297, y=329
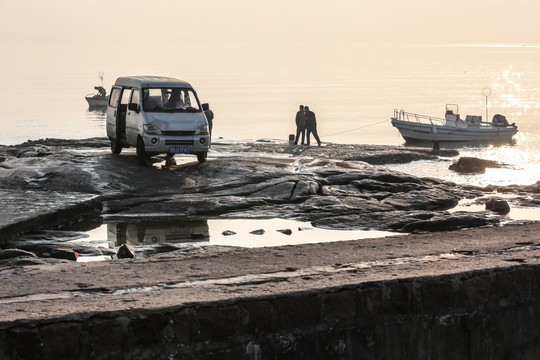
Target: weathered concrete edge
x=446, y=312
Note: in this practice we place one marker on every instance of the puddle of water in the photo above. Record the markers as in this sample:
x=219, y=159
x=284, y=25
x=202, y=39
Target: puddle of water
x=148, y=236
x=515, y=214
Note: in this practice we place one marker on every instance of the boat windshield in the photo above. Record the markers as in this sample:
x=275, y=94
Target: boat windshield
x=170, y=100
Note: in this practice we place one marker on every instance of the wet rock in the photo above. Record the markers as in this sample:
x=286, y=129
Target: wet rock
x=472, y=165
x=228, y=233
x=29, y=152
x=279, y=193
x=345, y=178
x=304, y=189
x=309, y=184
x=429, y=199
x=257, y=232
x=383, y=186
x=51, y=250
x=285, y=231
x=13, y=253
x=499, y=206
x=27, y=210
x=454, y=221
x=125, y=252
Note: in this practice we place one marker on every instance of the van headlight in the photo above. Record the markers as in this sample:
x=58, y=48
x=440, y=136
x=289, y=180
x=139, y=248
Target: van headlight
x=202, y=130
x=151, y=129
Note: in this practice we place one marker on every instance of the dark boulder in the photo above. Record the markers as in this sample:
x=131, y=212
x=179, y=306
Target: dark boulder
x=472, y=165
x=125, y=252
x=499, y=206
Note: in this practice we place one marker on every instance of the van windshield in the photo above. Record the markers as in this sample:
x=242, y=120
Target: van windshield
x=170, y=100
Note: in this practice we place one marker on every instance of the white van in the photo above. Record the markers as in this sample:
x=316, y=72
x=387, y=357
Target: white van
x=157, y=115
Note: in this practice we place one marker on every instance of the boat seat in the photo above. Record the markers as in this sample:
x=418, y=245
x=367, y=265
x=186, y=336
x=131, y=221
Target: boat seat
x=473, y=118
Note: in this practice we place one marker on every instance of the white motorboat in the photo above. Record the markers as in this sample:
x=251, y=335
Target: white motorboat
x=416, y=127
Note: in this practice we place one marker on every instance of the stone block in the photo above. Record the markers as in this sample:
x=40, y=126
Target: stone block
x=256, y=316
x=477, y=289
x=536, y=279
x=60, y=341
x=24, y=343
x=149, y=330
x=438, y=295
x=183, y=327
x=339, y=306
x=400, y=297
x=105, y=337
x=218, y=322
x=371, y=300
x=513, y=286
x=297, y=311
x=5, y=347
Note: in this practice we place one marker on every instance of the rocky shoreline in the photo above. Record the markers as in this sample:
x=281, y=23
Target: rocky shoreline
x=56, y=184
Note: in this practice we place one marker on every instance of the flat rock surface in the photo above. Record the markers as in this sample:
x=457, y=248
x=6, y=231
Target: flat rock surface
x=260, y=179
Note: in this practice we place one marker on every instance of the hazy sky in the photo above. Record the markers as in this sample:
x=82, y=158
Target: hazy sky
x=414, y=21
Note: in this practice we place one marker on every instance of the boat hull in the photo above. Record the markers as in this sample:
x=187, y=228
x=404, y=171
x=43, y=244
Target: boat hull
x=97, y=101
x=412, y=131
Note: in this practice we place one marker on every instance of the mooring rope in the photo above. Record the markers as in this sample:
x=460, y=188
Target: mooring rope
x=358, y=128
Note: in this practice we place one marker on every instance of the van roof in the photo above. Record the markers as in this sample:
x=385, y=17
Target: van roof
x=151, y=81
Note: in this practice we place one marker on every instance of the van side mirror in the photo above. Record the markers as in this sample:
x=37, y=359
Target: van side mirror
x=134, y=107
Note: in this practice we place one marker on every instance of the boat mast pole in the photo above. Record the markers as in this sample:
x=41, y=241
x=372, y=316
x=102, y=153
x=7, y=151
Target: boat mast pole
x=486, y=92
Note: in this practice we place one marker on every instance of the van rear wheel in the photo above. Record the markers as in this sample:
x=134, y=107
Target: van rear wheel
x=202, y=157
x=116, y=146
x=144, y=159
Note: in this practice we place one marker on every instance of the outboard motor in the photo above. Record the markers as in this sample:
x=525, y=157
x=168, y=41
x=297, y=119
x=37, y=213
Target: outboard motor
x=499, y=120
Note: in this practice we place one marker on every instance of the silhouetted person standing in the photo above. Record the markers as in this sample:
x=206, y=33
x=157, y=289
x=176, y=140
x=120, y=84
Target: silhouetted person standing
x=209, y=117
x=311, y=125
x=300, y=125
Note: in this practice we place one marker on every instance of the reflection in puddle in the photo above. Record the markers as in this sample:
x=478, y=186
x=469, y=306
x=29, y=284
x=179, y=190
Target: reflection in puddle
x=154, y=233
x=157, y=236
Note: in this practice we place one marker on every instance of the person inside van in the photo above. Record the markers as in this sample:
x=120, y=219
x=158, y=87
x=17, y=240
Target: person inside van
x=175, y=101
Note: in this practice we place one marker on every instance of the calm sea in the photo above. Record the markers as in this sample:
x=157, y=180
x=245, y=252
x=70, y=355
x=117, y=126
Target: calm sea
x=255, y=89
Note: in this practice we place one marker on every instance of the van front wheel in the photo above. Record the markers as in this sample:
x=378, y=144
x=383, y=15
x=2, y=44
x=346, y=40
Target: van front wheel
x=116, y=146
x=144, y=159
x=202, y=157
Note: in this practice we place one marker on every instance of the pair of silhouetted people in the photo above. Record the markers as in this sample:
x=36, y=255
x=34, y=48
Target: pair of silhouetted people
x=306, y=121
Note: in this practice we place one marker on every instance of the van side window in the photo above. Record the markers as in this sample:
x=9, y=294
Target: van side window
x=135, y=96
x=115, y=95
x=125, y=97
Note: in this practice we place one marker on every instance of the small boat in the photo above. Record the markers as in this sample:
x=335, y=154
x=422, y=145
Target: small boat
x=416, y=127
x=99, y=100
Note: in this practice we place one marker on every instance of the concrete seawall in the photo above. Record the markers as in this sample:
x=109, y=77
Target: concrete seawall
x=466, y=311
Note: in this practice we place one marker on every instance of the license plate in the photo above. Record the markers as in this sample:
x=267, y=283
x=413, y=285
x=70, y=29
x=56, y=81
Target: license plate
x=180, y=150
